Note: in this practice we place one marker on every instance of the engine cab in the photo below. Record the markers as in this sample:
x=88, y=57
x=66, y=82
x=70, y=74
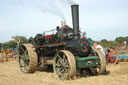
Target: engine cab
x=63, y=34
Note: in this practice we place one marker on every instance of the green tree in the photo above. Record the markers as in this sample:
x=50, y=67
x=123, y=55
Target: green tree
x=120, y=39
x=30, y=40
x=90, y=41
x=0, y=45
x=5, y=45
x=20, y=39
x=11, y=44
x=104, y=41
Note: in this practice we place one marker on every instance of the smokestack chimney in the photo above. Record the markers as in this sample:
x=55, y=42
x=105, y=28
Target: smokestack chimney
x=75, y=20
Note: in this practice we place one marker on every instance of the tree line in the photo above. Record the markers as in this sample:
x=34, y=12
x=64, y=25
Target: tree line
x=117, y=42
x=17, y=40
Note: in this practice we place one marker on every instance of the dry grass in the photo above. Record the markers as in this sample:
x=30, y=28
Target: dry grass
x=10, y=74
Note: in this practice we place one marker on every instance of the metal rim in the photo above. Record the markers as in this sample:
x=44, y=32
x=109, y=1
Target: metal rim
x=27, y=58
x=102, y=63
x=64, y=65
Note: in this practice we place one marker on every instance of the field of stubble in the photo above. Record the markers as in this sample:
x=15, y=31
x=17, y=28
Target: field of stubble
x=10, y=74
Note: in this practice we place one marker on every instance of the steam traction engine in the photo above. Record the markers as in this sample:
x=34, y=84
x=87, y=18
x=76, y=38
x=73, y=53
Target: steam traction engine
x=64, y=50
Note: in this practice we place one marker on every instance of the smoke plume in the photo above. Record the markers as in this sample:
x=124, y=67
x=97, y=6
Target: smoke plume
x=45, y=6
x=70, y=2
x=49, y=6
x=53, y=8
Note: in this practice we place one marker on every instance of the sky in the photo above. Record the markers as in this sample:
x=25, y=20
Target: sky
x=101, y=19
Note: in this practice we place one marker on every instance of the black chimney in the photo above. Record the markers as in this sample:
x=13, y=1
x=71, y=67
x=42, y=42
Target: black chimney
x=75, y=20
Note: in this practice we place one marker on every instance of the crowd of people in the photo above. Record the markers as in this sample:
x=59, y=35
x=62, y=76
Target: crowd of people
x=6, y=54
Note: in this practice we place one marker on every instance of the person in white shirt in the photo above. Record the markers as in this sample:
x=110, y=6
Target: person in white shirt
x=125, y=43
x=98, y=47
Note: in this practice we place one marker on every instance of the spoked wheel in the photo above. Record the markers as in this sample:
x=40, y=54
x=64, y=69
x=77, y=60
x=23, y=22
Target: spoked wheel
x=112, y=57
x=101, y=64
x=64, y=65
x=27, y=58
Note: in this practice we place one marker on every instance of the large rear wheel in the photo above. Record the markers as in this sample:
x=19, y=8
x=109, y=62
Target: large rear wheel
x=27, y=58
x=64, y=65
x=100, y=69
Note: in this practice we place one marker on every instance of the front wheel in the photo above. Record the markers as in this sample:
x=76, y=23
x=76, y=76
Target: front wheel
x=64, y=65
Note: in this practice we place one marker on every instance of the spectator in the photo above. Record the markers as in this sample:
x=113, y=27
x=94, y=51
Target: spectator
x=97, y=46
x=125, y=43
